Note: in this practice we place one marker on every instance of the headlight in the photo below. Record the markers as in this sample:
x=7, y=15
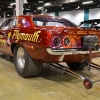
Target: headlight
x=66, y=41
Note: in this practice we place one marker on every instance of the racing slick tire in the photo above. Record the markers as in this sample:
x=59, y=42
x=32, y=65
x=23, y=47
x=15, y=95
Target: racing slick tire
x=24, y=64
x=74, y=65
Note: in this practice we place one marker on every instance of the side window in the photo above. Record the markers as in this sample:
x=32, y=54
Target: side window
x=4, y=26
x=9, y=23
x=38, y=23
x=25, y=23
x=19, y=23
x=22, y=23
x=12, y=23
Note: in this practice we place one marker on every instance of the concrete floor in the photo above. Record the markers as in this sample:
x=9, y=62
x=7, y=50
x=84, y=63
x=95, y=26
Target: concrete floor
x=51, y=84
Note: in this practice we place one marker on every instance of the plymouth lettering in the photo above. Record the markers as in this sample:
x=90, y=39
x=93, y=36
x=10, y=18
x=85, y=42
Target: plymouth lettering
x=29, y=37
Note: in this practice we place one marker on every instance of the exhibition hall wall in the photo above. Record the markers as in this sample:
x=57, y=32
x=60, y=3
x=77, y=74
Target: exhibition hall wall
x=94, y=13
x=77, y=16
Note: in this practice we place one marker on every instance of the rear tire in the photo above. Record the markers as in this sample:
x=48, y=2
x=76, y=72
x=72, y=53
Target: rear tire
x=24, y=64
x=74, y=65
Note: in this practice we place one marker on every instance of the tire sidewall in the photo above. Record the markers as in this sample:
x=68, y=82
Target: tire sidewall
x=20, y=71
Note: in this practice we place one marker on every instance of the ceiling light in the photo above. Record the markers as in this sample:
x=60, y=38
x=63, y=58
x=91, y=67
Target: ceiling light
x=8, y=15
x=46, y=10
x=0, y=8
x=12, y=4
x=78, y=7
x=27, y=9
x=60, y=5
x=48, y=4
x=39, y=8
x=62, y=8
x=34, y=10
x=25, y=1
x=40, y=1
x=87, y=2
x=9, y=7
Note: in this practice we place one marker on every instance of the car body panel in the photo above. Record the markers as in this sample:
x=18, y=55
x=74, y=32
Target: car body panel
x=38, y=40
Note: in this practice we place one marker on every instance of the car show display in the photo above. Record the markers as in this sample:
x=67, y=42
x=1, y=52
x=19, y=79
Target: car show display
x=36, y=39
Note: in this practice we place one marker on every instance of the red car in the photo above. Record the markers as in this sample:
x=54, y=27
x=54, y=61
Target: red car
x=37, y=39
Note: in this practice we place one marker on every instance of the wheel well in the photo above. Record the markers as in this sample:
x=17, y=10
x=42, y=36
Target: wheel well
x=13, y=46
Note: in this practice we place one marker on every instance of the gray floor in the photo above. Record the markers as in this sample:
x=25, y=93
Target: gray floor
x=51, y=84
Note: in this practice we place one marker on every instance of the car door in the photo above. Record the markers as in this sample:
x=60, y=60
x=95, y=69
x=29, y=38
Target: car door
x=6, y=30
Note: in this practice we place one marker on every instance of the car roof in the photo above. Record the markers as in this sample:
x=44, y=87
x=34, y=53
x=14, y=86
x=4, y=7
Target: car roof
x=37, y=15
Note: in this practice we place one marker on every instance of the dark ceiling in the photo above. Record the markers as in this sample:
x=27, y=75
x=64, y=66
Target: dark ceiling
x=56, y=6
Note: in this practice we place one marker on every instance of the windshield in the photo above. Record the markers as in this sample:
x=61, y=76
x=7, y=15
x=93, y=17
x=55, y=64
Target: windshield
x=52, y=22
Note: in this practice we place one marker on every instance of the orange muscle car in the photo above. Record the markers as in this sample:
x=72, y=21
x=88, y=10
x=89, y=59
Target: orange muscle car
x=36, y=39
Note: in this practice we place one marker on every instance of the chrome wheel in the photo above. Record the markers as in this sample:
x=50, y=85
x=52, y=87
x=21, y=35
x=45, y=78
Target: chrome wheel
x=24, y=64
x=21, y=57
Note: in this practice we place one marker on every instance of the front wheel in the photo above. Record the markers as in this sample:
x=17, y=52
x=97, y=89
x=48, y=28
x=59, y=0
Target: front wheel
x=24, y=64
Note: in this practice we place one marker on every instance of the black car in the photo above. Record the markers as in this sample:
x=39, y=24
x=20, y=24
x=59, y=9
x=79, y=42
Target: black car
x=91, y=24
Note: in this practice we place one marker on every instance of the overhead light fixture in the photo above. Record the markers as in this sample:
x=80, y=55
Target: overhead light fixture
x=62, y=8
x=78, y=7
x=8, y=15
x=60, y=5
x=25, y=1
x=46, y=10
x=0, y=8
x=39, y=8
x=9, y=7
x=27, y=9
x=48, y=4
x=12, y=4
x=40, y=1
x=87, y=2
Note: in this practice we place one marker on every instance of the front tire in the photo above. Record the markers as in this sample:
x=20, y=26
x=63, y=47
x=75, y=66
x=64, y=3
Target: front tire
x=24, y=64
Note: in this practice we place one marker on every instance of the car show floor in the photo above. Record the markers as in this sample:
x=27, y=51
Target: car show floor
x=51, y=84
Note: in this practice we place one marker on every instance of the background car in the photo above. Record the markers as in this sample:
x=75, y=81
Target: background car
x=91, y=24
